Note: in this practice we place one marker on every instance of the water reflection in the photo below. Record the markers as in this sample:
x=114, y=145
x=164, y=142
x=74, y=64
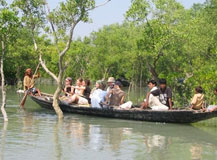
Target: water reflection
x=35, y=133
x=3, y=139
x=146, y=138
x=155, y=142
x=57, y=144
x=196, y=151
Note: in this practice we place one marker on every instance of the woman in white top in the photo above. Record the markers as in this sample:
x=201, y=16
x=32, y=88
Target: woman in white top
x=78, y=91
x=98, y=95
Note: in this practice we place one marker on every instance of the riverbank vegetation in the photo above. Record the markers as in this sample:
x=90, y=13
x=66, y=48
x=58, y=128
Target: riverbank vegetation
x=158, y=39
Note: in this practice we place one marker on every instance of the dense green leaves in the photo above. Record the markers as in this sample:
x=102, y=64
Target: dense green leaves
x=159, y=39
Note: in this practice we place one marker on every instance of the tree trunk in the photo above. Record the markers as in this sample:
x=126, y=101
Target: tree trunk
x=56, y=98
x=141, y=76
x=153, y=72
x=58, y=80
x=3, y=84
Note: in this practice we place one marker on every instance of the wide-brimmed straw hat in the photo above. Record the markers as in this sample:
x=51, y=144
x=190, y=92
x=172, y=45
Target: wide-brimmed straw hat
x=111, y=80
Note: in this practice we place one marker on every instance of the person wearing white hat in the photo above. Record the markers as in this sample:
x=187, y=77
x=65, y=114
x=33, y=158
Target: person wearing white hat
x=111, y=83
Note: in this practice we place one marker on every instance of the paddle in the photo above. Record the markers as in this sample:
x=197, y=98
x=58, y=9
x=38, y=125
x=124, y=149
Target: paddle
x=26, y=92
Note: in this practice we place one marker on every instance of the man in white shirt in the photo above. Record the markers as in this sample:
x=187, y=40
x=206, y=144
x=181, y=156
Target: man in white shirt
x=152, y=84
x=153, y=101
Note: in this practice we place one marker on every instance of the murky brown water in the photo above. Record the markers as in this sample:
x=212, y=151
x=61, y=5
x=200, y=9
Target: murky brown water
x=35, y=133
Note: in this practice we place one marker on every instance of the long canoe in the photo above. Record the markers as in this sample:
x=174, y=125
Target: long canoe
x=170, y=116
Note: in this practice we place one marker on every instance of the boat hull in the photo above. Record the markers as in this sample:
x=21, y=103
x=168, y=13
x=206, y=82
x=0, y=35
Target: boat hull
x=174, y=116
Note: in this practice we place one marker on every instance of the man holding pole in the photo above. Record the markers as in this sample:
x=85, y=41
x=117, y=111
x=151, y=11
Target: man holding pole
x=29, y=83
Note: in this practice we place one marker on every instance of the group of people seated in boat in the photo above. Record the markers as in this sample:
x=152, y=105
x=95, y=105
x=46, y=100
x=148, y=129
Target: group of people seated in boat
x=158, y=98
x=161, y=98
x=98, y=97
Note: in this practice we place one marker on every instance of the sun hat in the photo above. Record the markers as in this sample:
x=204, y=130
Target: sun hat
x=111, y=80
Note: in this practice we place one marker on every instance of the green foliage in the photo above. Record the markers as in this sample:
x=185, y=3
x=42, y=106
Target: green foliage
x=33, y=14
x=8, y=24
x=159, y=39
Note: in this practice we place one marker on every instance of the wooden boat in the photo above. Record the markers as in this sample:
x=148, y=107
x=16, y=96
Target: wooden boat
x=171, y=116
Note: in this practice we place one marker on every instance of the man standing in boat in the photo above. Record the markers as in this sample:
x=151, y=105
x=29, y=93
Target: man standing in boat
x=159, y=99
x=29, y=82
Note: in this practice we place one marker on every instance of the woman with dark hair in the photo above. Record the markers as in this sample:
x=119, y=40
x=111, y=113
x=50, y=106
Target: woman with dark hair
x=69, y=89
x=86, y=93
x=82, y=92
x=197, y=101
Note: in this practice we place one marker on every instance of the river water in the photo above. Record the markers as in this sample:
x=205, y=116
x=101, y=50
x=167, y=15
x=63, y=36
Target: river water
x=35, y=133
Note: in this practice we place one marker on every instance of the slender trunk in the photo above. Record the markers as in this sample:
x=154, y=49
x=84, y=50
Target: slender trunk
x=3, y=84
x=59, y=80
x=141, y=76
x=129, y=90
x=56, y=98
x=153, y=72
x=18, y=74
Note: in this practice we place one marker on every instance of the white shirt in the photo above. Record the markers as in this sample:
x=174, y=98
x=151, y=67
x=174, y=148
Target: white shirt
x=153, y=89
x=97, y=97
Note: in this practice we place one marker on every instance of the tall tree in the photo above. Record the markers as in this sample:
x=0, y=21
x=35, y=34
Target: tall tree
x=8, y=28
x=63, y=21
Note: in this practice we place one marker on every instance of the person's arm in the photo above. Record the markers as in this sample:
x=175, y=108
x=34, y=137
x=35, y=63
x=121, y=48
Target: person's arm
x=170, y=99
x=193, y=101
x=36, y=75
x=147, y=99
x=107, y=97
x=81, y=89
x=122, y=100
x=72, y=90
x=25, y=83
x=154, y=93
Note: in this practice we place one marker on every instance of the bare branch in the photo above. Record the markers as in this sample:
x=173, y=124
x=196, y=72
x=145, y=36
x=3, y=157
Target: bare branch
x=99, y=5
x=65, y=66
x=68, y=44
x=52, y=27
x=46, y=69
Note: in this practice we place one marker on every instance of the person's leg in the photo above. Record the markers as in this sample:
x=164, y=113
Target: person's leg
x=154, y=101
x=155, y=104
x=212, y=108
x=126, y=105
x=39, y=92
x=143, y=105
x=160, y=108
x=72, y=99
x=82, y=101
